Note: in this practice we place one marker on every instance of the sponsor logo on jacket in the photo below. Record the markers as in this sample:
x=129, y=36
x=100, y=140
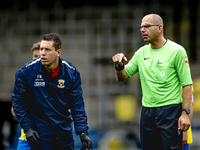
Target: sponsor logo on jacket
x=39, y=81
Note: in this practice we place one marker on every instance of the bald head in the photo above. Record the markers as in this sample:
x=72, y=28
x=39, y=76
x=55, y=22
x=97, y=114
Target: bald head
x=155, y=19
x=152, y=30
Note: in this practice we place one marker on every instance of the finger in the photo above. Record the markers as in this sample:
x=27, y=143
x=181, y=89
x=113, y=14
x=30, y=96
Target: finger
x=186, y=127
x=125, y=59
x=90, y=144
x=31, y=142
x=35, y=140
x=113, y=58
x=116, y=58
x=120, y=58
x=179, y=124
x=36, y=137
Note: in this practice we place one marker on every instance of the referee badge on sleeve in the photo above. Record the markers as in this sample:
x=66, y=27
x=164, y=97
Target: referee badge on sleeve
x=186, y=61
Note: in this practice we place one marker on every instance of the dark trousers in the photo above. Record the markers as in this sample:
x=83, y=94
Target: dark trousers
x=159, y=128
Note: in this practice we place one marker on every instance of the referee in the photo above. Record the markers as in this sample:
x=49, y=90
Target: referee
x=164, y=74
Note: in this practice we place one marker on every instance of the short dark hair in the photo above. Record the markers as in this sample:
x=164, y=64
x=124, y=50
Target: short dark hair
x=57, y=41
x=35, y=46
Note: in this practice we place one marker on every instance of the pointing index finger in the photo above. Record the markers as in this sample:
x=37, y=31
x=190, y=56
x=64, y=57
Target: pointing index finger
x=120, y=58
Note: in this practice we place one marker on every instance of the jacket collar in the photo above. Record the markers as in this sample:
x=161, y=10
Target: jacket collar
x=44, y=71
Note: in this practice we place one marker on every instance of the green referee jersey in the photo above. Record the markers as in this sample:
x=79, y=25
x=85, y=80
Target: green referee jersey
x=163, y=72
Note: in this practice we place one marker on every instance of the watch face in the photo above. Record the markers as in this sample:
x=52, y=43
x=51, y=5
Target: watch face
x=188, y=111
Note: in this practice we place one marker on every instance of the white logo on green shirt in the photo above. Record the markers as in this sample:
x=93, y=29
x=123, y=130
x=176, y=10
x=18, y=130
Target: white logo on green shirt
x=162, y=73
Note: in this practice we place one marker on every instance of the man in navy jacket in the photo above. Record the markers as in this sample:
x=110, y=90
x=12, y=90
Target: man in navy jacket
x=47, y=98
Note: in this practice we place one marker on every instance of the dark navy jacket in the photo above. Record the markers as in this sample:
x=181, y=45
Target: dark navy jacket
x=49, y=105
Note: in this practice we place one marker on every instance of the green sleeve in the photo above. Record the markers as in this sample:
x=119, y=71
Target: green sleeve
x=182, y=67
x=132, y=67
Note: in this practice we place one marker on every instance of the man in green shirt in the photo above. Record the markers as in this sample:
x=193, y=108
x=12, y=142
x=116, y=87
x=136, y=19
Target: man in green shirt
x=164, y=73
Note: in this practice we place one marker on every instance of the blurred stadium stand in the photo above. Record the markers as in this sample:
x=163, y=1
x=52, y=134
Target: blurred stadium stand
x=92, y=32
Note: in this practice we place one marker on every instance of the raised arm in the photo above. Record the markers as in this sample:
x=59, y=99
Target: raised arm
x=120, y=72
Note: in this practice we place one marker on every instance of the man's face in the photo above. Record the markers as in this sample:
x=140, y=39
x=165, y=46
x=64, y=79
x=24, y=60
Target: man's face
x=149, y=29
x=36, y=53
x=48, y=54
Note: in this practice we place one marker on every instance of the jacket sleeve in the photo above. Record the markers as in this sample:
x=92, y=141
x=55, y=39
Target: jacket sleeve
x=77, y=106
x=19, y=97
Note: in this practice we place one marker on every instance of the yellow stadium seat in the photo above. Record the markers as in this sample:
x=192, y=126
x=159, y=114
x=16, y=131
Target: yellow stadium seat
x=125, y=107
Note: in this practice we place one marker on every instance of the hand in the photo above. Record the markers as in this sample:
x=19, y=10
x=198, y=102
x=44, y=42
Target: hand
x=86, y=142
x=119, y=58
x=32, y=137
x=184, y=122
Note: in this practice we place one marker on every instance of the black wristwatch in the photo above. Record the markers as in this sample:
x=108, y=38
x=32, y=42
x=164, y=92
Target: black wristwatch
x=187, y=110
